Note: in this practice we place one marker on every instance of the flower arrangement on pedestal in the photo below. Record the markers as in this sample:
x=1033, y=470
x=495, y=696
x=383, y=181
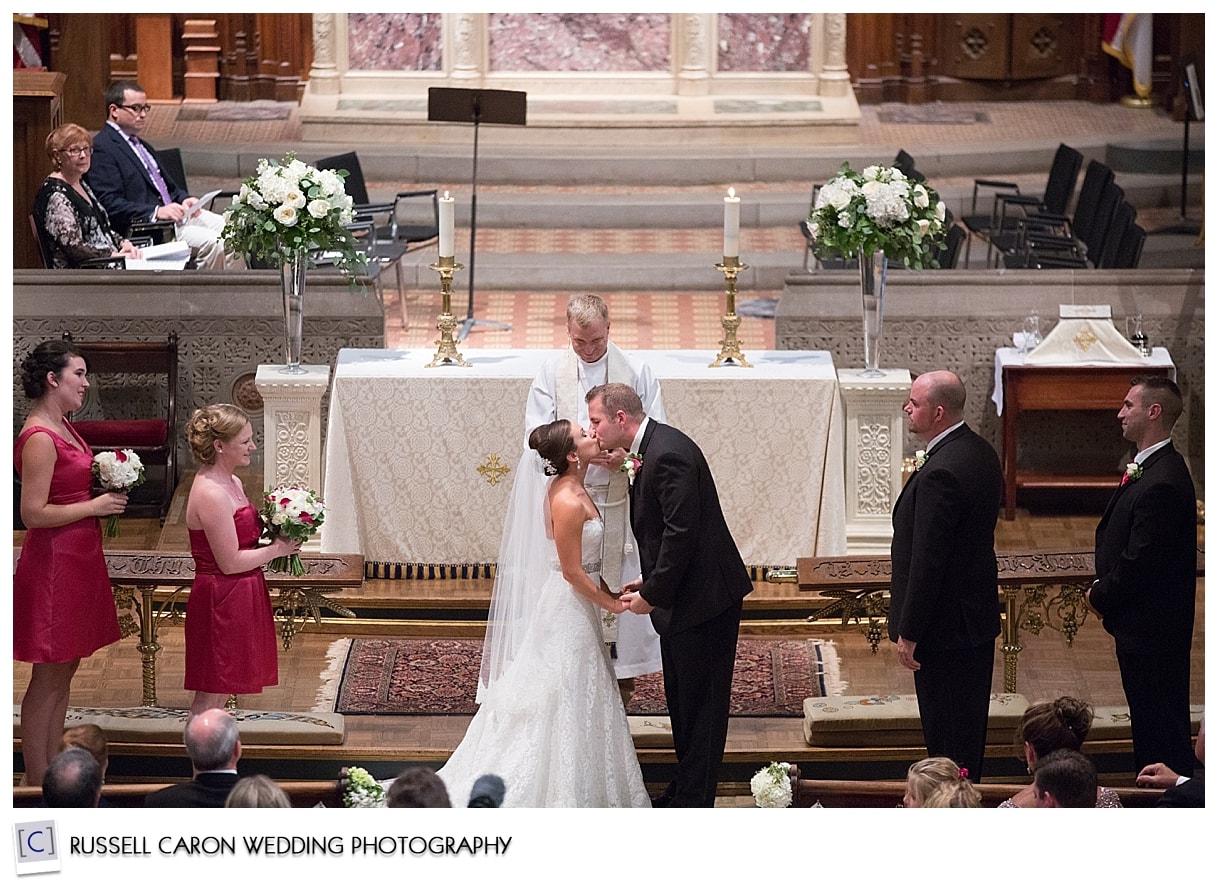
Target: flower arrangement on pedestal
x=289, y=207
x=878, y=215
x=879, y=209
x=290, y=213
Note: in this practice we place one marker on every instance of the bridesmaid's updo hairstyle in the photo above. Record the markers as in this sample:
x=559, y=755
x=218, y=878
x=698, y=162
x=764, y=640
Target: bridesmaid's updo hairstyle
x=207, y=425
x=1055, y=725
x=553, y=442
x=48, y=357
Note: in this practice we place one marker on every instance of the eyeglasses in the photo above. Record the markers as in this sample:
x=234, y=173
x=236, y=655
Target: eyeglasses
x=137, y=109
x=77, y=151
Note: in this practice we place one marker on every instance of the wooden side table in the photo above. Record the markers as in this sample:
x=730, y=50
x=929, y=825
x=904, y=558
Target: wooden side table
x=1063, y=387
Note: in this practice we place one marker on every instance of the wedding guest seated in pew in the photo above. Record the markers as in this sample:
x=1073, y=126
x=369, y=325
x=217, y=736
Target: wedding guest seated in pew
x=73, y=227
x=1182, y=791
x=257, y=791
x=90, y=737
x=417, y=787
x=937, y=782
x=1065, y=779
x=1048, y=726
x=72, y=780
x=213, y=745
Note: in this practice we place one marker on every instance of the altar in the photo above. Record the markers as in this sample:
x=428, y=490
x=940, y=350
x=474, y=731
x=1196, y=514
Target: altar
x=420, y=461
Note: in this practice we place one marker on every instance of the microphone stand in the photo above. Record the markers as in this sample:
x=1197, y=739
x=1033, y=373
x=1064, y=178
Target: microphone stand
x=469, y=321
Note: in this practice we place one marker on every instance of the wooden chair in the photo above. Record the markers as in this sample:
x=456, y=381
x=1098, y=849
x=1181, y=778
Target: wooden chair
x=118, y=411
x=92, y=263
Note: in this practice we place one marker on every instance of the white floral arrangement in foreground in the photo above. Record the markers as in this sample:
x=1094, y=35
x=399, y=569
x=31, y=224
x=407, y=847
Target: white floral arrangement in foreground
x=361, y=790
x=117, y=471
x=879, y=209
x=771, y=786
x=289, y=207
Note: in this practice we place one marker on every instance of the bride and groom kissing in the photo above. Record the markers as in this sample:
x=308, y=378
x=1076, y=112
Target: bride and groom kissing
x=551, y=722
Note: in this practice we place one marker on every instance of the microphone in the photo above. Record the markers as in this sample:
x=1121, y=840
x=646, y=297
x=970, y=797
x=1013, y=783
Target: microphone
x=487, y=792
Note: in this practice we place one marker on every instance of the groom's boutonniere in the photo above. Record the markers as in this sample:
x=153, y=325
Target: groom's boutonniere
x=1133, y=471
x=919, y=459
x=631, y=465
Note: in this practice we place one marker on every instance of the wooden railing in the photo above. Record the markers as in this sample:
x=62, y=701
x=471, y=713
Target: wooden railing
x=303, y=794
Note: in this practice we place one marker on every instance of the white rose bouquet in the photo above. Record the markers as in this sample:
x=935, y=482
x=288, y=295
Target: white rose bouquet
x=117, y=471
x=295, y=512
x=361, y=790
x=879, y=209
x=289, y=207
x=771, y=786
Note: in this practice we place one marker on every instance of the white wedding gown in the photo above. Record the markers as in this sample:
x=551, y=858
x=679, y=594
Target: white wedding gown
x=553, y=726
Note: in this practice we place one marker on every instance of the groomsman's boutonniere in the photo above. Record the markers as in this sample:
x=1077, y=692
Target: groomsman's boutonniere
x=919, y=459
x=1133, y=471
x=631, y=465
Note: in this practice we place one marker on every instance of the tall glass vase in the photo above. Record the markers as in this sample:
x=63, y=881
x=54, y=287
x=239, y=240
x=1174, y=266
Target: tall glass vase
x=873, y=273
x=293, y=268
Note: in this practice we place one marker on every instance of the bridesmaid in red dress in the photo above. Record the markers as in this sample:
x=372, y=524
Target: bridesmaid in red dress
x=63, y=607
x=230, y=632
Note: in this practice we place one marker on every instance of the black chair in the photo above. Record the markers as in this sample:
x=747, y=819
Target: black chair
x=1122, y=219
x=904, y=163
x=949, y=252
x=412, y=218
x=1046, y=231
x=1059, y=187
x=138, y=414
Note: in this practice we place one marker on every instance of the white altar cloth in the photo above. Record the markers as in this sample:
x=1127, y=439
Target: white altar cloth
x=405, y=445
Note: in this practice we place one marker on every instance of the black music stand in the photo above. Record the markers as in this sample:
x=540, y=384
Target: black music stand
x=1193, y=109
x=475, y=106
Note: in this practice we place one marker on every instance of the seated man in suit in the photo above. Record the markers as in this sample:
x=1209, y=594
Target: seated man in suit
x=214, y=748
x=127, y=178
x=1065, y=779
x=73, y=779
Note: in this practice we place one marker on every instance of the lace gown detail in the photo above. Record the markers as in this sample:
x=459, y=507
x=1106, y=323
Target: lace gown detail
x=553, y=726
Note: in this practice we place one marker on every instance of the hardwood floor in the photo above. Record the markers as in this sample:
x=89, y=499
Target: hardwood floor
x=1048, y=667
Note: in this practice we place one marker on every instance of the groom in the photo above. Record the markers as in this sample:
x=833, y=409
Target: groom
x=693, y=583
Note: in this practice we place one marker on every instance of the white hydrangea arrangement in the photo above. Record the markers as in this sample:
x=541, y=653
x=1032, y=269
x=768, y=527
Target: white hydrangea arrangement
x=771, y=786
x=879, y=209
x=288, y=207
x=361, y=790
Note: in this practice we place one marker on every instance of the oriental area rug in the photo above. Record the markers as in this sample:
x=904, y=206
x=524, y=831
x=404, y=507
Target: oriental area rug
x=412, y=676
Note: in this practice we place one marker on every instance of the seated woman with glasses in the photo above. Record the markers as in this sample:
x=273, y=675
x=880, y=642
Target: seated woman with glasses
x=72, y=225
x=1061, y=724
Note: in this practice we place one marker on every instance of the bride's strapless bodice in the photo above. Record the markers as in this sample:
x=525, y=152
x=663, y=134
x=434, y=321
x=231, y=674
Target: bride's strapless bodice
x=594, y=531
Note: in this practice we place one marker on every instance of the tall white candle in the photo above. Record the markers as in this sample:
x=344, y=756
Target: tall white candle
x=731, y=224
x=447, y=205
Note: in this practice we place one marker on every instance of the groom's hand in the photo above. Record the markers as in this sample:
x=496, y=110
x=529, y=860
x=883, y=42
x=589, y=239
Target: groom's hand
x=635, y=602
x=611, y=459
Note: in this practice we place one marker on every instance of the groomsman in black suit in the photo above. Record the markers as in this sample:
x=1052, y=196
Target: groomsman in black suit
x=693, y=583
x=1146, y=568
x=944, y=610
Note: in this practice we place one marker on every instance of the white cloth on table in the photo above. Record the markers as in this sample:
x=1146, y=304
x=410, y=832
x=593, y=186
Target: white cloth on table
x=1159, y=357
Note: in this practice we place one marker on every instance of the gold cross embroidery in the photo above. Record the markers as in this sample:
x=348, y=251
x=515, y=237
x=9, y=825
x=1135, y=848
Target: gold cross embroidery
x=1084, y=339
x=493, y=469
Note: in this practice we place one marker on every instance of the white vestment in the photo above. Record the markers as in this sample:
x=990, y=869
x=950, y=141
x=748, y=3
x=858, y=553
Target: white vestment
x=637, y=646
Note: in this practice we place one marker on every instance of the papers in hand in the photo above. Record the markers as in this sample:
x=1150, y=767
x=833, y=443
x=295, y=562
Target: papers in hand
x=203, y=202
x=168, y=256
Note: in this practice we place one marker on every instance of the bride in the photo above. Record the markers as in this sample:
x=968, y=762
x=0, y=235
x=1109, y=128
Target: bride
x=551, y=721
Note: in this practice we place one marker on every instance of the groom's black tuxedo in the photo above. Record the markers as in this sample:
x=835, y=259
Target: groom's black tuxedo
x=1146, y=590
x=694, y=577
x=945, y=590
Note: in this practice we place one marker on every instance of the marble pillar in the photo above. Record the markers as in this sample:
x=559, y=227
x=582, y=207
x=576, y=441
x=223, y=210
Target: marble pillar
x=292, y=429
x=874, y=444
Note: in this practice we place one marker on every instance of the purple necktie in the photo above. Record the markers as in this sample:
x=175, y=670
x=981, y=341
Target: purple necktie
x=150, y=164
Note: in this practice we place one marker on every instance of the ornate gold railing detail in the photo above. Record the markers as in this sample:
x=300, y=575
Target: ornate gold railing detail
x=1039, y=591
x=150, y=586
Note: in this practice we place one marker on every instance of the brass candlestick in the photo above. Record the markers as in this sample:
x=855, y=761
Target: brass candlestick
x=729, y=346
x=446, y=346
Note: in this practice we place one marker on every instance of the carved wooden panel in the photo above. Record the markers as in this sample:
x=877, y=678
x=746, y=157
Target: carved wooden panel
x=1041, y=46
x=975, y=45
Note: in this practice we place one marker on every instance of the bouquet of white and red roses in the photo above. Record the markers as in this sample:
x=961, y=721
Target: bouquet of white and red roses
x=295, y=512
x=117, y=471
